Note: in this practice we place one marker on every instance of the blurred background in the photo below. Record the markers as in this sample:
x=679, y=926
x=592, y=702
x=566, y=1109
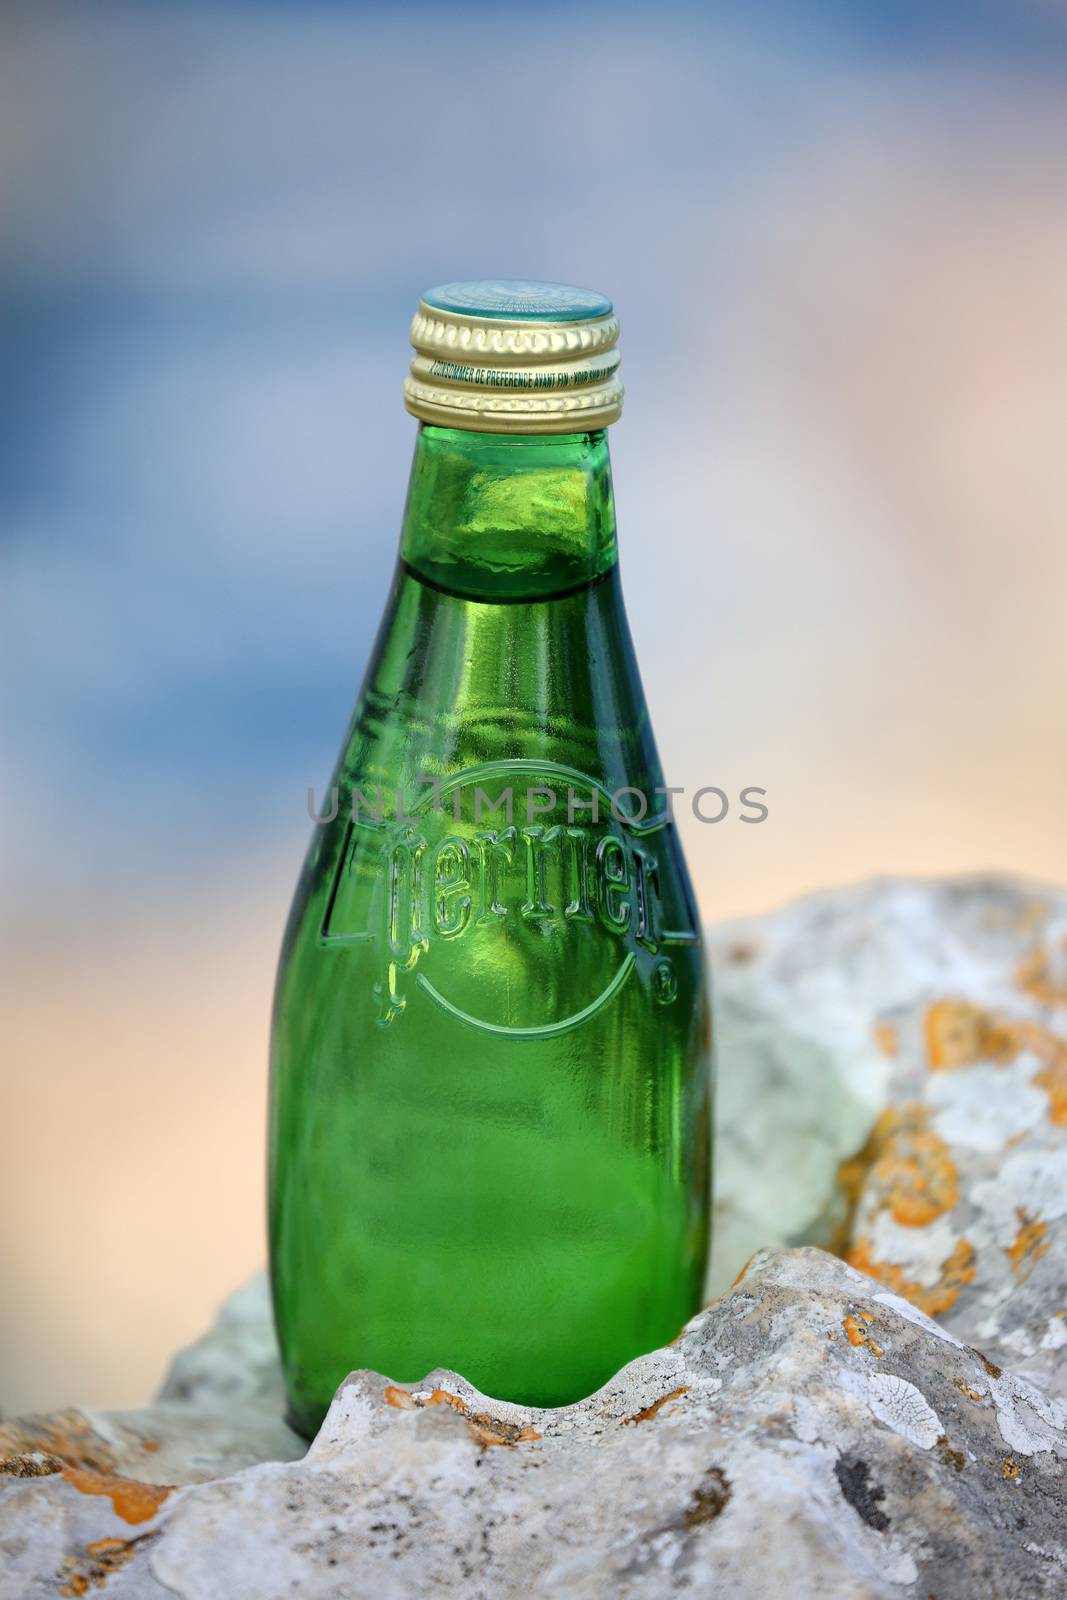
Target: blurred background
x=837, y=238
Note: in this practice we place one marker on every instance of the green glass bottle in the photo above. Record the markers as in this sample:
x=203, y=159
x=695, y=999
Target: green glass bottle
x=491, y=1061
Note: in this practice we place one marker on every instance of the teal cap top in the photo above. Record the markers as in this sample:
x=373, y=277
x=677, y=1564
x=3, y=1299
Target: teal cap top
x=519, y=300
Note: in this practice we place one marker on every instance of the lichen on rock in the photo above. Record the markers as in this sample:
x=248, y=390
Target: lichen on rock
x=763, y=1452
x=956, y=1195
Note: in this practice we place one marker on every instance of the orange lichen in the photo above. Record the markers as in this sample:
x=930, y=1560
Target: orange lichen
x=959, y=1033
x=102, y=1548
x=887, y=1038
x=912, y=1174
x=851, y=1176
x=650, y=1411
x=904, y=1168
x=858, y=1337
x=958, y=1269
x=1009, y=1468
x=972, y=1394
x=131, y=1500
x=1034, y=976
x=102, y=1558
x=741, y=1274
x=485, y=1430
x=64, y=1435
x=1051, y=1050
x=852, y=1173
x=1029, y=1244
x=1053, y=1079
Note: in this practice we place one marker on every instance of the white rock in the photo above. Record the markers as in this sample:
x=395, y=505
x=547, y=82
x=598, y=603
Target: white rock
x=943, y=1008
x=801, y=1438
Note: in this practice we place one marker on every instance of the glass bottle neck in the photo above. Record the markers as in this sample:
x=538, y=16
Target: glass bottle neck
x=508, y=517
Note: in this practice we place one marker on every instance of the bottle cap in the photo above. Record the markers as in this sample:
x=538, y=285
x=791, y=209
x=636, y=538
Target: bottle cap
x=514, y=357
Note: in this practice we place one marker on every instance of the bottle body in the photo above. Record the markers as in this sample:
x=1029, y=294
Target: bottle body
x=490, y=1123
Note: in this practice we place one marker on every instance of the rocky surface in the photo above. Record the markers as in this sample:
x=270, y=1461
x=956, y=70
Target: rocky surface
x=811, y=1433
x=894, y=1086
x=922, y=1030
x=220, y=1409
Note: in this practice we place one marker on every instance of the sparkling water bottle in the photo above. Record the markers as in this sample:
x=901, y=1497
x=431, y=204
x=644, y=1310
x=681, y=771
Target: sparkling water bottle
x=491, y=1054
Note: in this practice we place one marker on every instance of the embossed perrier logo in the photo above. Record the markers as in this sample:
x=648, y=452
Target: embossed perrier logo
x=487, y=921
